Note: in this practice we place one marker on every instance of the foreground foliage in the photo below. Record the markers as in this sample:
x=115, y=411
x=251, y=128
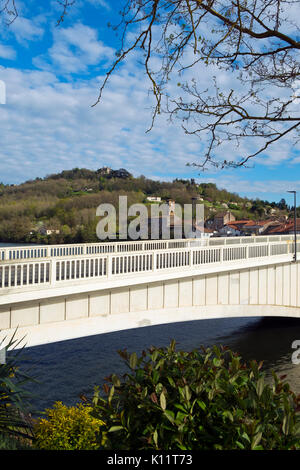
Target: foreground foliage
x=197, y=400
x=169, y=400
x=15, y=425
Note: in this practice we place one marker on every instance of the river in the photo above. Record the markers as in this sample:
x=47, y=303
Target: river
x=68, y=368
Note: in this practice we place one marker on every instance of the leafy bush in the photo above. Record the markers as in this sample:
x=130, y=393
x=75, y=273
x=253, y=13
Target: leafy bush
x=15, y=425
x=196, y=400
x=67, y=428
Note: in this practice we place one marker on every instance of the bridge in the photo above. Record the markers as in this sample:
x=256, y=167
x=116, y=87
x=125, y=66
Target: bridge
x=54, y=293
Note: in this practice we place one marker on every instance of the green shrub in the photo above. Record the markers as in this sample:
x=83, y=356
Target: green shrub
x=67, y=428
x=196, y=400
x=15, y=424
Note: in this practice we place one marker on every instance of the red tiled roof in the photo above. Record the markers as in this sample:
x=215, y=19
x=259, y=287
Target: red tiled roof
x=240, y=222
x=284, y=228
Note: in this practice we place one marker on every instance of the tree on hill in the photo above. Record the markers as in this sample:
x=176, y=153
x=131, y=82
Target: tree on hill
x=282, y=205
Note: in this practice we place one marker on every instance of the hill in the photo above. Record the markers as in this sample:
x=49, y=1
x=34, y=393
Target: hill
x=61, y=208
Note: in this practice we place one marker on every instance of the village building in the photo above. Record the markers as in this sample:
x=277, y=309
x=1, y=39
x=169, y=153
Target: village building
x=221, y=219
x=48, y=231
x=153, y=198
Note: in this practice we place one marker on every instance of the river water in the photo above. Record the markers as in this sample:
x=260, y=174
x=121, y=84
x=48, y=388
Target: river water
x=66, y=369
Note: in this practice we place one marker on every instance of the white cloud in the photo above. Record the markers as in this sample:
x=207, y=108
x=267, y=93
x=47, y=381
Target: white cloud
x=7, y=52
x=74, y=49
x=48, y=126
x=26, y=29
x=254, y=188
x=100, y=3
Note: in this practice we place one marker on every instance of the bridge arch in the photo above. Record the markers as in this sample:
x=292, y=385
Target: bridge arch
x=245, y=289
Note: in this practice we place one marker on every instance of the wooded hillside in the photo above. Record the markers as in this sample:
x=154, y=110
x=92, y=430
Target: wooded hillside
x=67, y=202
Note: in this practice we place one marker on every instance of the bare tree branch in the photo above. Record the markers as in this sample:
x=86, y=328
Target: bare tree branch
x=255, y=40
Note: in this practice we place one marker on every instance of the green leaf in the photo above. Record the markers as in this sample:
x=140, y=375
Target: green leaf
x=201, y=404
x=155, y=376
x=240, y=445
x=154, y=356
x=286, y=424
x=180, y=407
x=170, y=415
x=260, y=386
x=140, y=374
x=216, y=362
x=115, y=380
x=187, y=392
x=228, y=414
x=115, y=428
x=256, y=440
x=163, y=401
x=133, y=360
x=246, y=437
x=155, y=437
x=171, y=382
x=180, y=417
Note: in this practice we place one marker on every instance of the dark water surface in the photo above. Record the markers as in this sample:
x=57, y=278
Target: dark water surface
x=66, y=369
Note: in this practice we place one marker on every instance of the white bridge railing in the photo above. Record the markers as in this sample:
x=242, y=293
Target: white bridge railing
x=56, y=269
x=83, y=249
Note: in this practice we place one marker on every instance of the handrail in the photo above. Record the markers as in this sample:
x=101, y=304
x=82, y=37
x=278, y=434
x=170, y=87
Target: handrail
x=82, y=249
x=54, y=271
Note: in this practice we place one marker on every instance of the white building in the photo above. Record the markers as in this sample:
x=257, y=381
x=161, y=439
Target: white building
x=154, y=198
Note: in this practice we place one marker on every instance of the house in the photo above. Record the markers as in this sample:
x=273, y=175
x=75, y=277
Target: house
x=256, y=228
x=200, y=232
x=244, y=227
x=283, y=228
x=153, y=198
x=104, y=171
x=291, y=228
x=222, y=218
x=230, y=230
x=47, y=231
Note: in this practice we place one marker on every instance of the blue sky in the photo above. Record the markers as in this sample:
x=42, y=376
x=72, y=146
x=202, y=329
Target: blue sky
x=52, y=76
